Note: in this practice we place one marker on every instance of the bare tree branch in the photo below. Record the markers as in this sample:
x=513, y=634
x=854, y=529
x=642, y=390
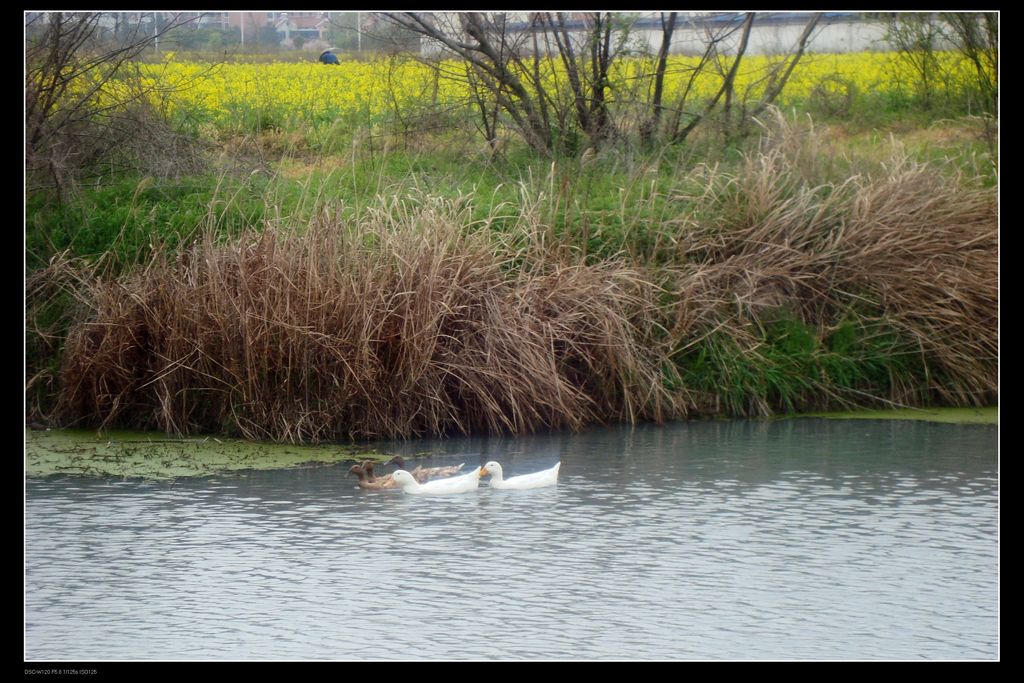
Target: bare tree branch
x=74, y=118
x=648, y=128
x=774, y=91
x=727, y=82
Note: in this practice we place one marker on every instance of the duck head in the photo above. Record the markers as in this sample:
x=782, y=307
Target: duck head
x=367, y=467
x=492, y=468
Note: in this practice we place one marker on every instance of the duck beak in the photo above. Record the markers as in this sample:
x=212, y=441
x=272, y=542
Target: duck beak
x=483, y=472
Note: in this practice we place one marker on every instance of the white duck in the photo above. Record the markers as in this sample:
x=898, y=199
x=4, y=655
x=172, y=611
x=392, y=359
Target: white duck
x=437, y=487
x=548, y=477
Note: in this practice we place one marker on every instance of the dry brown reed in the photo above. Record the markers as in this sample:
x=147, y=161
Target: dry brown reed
x=412, y=319
x=403, y=324
x=906, y=245
x=50, y=309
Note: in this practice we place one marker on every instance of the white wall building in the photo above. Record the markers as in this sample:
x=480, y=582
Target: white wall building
x=772, y=32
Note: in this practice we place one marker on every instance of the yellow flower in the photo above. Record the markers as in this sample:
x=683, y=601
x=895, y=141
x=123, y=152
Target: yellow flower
x=374, y=91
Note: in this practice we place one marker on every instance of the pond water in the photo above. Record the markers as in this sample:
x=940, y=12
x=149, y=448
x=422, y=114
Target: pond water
x=798, y=539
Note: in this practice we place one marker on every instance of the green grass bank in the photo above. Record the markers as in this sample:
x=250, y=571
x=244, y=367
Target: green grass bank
x=305, y=295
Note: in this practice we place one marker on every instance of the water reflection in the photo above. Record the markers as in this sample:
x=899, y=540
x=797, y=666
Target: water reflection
x=797, y=539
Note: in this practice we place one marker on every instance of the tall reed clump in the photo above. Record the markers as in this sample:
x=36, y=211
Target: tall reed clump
x=793, y=280
x=401, y=323
x=799, y=292
x=51, y=309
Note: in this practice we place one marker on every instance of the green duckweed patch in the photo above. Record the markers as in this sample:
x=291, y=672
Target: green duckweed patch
x=149, y=455
x=988, y=415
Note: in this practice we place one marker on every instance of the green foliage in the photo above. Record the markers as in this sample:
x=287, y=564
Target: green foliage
x=833, y=96
x=620, y=206
x=192, y=37
x=267, y=38
x=932, y=81
x=789, y=366
x=125, y=220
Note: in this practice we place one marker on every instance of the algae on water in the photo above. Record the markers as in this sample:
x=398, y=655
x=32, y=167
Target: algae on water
x=154, y=456
x=149, y=455
x=988, y=415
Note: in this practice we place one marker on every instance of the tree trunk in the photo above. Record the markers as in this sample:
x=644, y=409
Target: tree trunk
x=650, y=126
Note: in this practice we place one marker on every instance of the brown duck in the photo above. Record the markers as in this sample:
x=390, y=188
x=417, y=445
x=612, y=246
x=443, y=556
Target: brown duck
x=368, y=481
x=422, y=474
x=368, y=468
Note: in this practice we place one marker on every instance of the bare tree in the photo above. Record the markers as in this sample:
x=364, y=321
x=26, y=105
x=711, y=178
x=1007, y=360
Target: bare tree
x=674, y=130
x=917, y=37
x=521, y=87
x=650, y=126
x=83, y=105
x=483, y=42
x=726, y=88
x=588, y=73
x=780, y=74
x=734, y=109
x=550, y=77
x=976, y=36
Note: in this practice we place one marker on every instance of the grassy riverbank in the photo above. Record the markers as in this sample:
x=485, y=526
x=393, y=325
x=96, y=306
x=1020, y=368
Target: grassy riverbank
x=790, y=279
x=318, y=281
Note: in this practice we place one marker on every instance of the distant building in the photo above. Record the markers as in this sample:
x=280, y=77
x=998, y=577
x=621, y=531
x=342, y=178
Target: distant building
x=771, y=33
x=308, y=25
x=311, y=26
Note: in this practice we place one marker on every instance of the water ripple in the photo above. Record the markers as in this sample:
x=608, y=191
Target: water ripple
x=800, y=540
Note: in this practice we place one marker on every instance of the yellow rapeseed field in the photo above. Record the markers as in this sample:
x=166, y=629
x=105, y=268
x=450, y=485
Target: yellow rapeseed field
x=291, y=94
